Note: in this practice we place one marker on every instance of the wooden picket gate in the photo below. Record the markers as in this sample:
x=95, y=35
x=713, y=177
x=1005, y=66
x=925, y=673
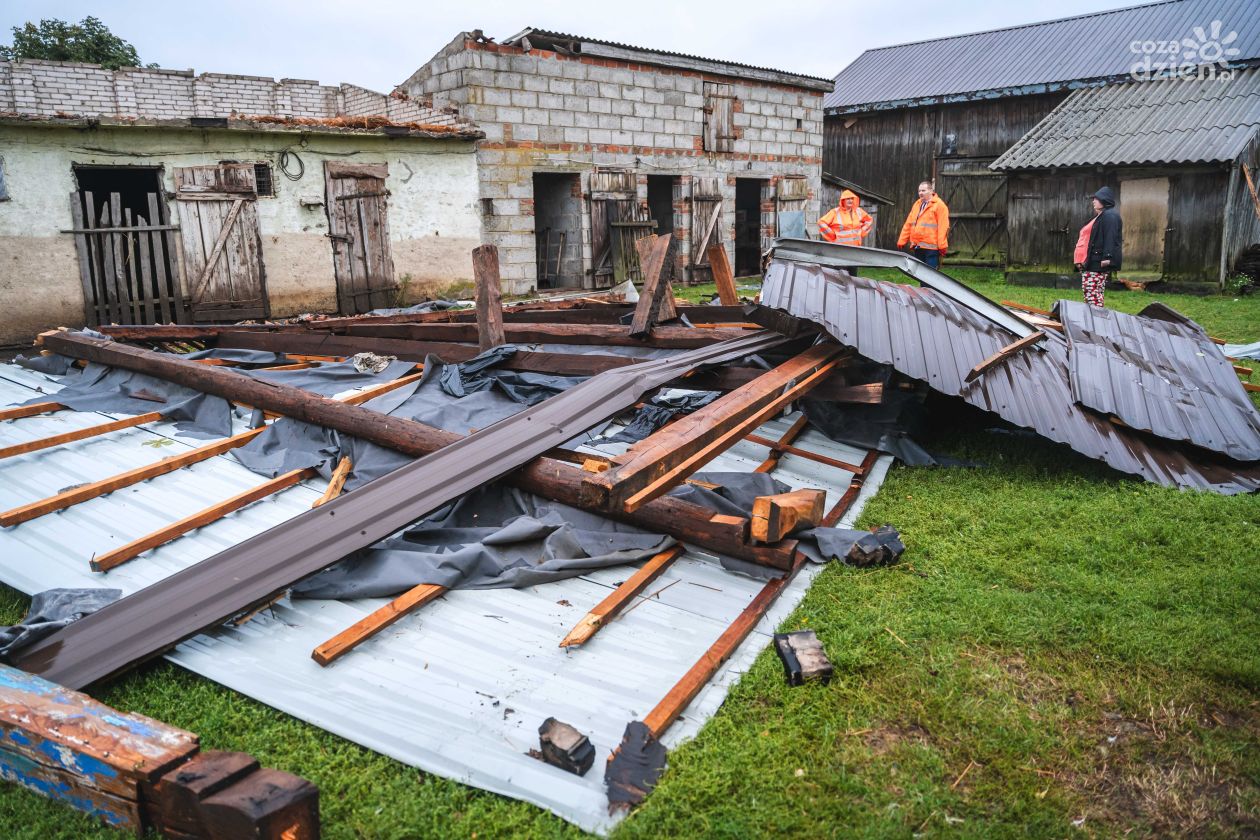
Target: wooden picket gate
x=127, y=262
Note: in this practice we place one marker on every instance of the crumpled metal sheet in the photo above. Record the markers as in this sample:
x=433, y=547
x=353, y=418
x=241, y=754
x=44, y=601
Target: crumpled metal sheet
x=1159, y=375
x=928, y=336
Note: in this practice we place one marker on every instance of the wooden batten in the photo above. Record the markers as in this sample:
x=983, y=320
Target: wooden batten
x=609, y=608
x=367, y=627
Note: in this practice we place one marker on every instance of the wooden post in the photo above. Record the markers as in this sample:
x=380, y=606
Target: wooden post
x=723, y=276
x=489, y=295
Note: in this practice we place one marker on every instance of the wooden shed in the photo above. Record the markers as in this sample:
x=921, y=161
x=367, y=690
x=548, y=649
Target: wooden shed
x=1181, y=154
x=946, y=109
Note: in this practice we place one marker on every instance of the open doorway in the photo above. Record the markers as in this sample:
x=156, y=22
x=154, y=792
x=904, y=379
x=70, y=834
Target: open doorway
x=660, y=199
x=748, y=193
x=558, y=229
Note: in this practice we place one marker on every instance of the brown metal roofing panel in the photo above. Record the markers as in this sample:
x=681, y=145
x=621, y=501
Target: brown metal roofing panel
x=1158, y=376
x=945, y=340
x=1027, y=59
x=159, y=616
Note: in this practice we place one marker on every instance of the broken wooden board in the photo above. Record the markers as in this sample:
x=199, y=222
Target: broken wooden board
x=656, y=302
x=774, y=517
x=489, y=297
x=66, y=746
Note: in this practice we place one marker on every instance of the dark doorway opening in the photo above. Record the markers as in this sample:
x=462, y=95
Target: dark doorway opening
x=660, y=198
x=558, y=229
x=134, y=185
x=748, y=225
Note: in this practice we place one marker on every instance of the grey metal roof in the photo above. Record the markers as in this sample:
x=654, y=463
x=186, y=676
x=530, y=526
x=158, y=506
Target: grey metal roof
x=613, y=49
x=1166, y=121
x=927, y=336
x=459, y=688
x=1159, y=376
x=1037, y=57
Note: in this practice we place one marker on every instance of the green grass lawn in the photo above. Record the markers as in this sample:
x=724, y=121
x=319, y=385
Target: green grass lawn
x=1063, y=651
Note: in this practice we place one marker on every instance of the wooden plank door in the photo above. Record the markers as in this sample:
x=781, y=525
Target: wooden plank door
x=706, y=224
x=613, y=193
x=976, y=198
x=358, y=225
x=218, y=218
x=1144, y=208
x=791, y=196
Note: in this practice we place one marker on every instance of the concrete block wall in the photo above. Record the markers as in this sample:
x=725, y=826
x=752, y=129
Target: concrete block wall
x=545, y=112
x=67, y=89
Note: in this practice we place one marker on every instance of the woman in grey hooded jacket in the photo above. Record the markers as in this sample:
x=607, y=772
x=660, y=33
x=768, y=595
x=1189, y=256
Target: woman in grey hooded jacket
x=1099, y=248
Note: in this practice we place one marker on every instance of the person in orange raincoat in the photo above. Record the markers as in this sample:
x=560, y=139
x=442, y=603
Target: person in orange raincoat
x=926, y=231
x=847, y=223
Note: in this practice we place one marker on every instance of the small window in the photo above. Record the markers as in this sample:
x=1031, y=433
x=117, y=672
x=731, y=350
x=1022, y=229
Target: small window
x=4, y=187
x=799, y=123
x=262, y=179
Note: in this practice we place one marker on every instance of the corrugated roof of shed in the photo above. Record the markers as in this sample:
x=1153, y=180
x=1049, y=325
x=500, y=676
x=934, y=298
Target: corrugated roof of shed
x=1205, y=120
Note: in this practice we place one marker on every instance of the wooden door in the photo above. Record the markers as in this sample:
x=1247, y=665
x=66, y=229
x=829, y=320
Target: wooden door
x=791, y=196
x=613, y=199
x=358, y=225
x=1144, y=208
x=706, y=224
x=218, y=219
x=976, y=198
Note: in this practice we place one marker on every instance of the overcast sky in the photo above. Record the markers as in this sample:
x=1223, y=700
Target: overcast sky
x=379, y=43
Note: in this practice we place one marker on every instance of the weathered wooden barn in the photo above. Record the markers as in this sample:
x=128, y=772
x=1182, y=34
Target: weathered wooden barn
x=151, y=195
x=946, y=109
x=1180, y=154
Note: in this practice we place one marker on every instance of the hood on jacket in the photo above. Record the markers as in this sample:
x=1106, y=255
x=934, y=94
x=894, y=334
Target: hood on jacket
x=848, y=199
x=1106, y=196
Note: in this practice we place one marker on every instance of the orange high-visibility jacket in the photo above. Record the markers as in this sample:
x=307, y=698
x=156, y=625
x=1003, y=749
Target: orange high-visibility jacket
x=847, y=224
x=926, y=228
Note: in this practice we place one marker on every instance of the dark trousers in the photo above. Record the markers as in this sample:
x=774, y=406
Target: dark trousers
x=927, y=256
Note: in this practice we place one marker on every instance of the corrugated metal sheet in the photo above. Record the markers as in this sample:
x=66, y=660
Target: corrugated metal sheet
x=1159, y=376
x=1168, y=121
x=458, y=689
x=811, y=82
x=927, y=336
x=1038, y=56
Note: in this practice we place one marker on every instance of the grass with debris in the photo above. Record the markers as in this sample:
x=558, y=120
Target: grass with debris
x=1063, y=651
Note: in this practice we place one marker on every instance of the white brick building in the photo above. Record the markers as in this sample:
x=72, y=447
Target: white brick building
x=217, y=197
x=584, y=138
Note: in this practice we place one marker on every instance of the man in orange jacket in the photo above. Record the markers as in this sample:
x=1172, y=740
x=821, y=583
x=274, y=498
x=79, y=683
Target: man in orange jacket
x=847, y=223
x=926, y=231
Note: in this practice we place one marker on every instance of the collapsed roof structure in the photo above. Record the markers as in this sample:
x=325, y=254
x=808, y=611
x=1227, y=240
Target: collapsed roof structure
x=498, y=490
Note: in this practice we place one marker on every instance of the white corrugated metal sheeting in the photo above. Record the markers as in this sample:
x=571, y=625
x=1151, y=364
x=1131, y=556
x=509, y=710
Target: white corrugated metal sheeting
x=459, y=688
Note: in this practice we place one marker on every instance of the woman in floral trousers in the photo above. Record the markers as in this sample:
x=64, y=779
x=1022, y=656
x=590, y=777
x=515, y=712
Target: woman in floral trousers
x=1098, y=248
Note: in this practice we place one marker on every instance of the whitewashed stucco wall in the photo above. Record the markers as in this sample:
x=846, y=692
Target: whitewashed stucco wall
x=434, y=217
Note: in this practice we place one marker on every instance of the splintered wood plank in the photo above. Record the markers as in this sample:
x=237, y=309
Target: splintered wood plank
x=336, y=482
x=1003, y=354
x=133, y=549
x=609, y=608
x=79, y=434
x=664, y=459
x=673, y=704
x=656, y=301
x=723, y=276
x=367, y=627
x=489, y=295
x=774, y=517
x=31, y=410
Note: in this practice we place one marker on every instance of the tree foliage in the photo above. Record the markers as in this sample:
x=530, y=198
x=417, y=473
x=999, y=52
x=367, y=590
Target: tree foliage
x=89, y=41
